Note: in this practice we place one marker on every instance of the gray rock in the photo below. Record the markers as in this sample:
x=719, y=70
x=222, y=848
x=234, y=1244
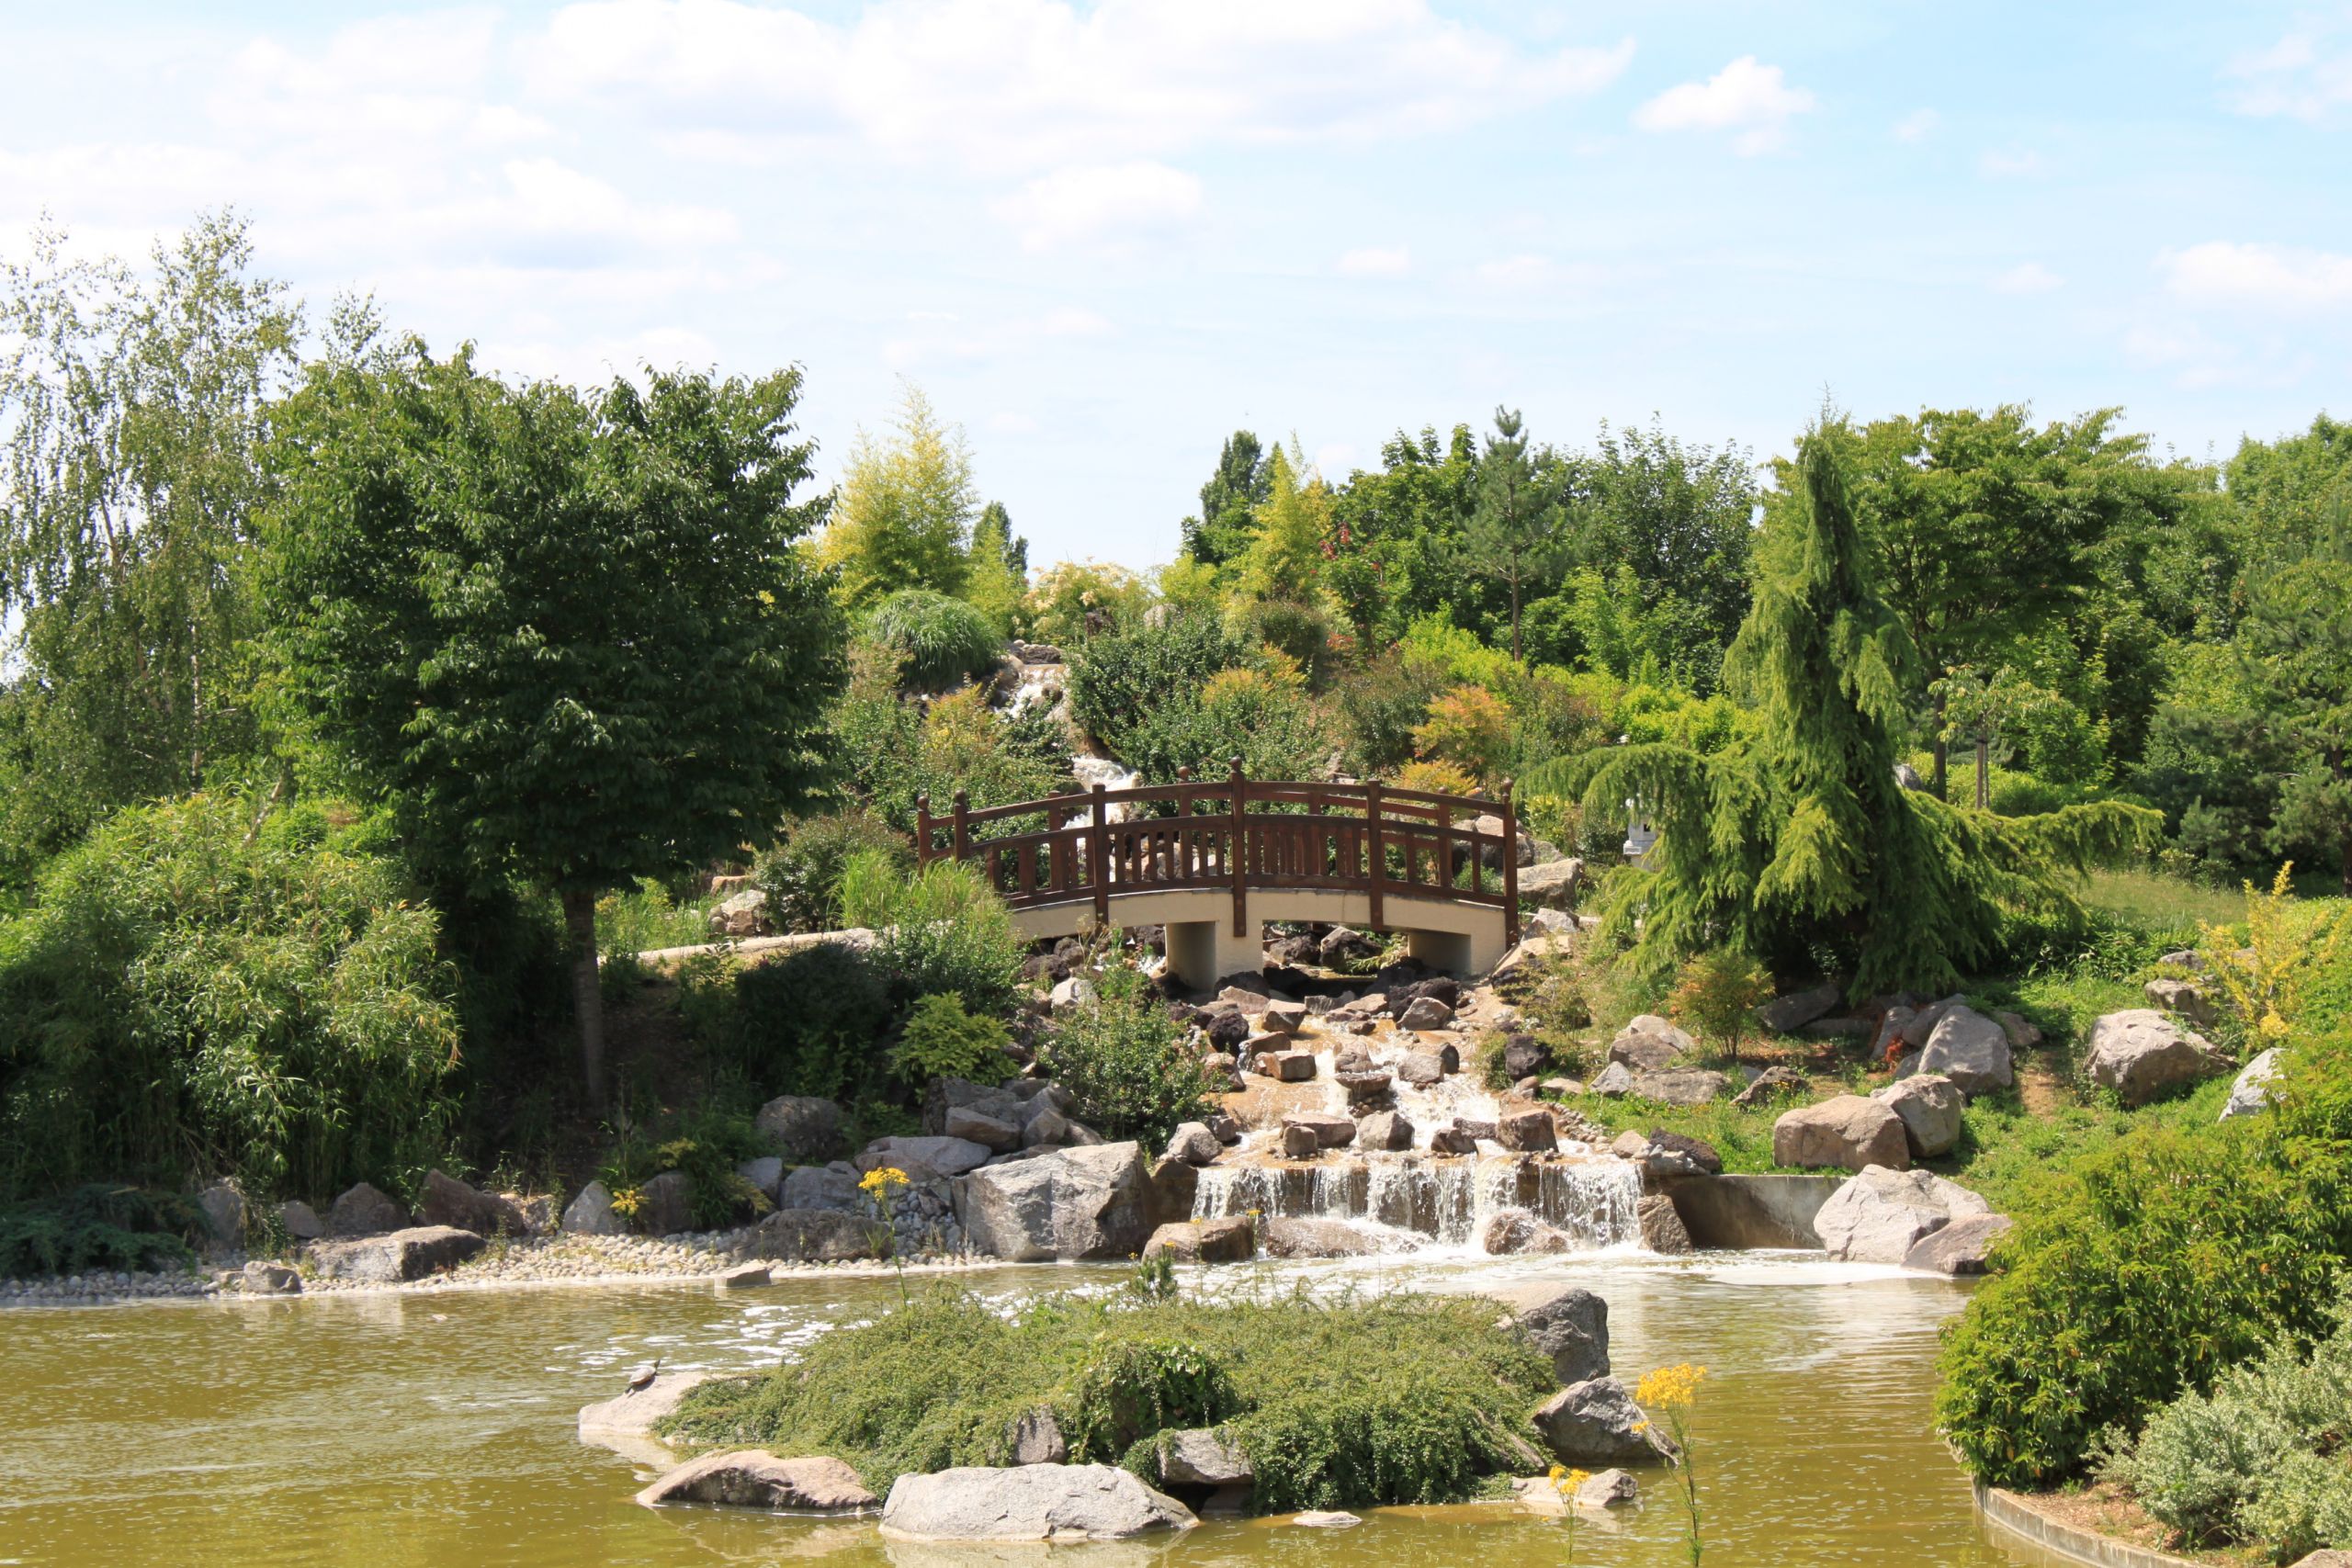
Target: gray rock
x=1661, y=1224
x=1421, y=1069
x=754, y=1478
x=1426, y=1012
x=1452, y=1139
x=263, y=1277
x=1596, y=1422
x=1608, y=1489
x=1526, y=1132
x=591, y=1212
x=635, y=1414
x=804, y=1129
x=947, y=1156
x=1386, y=1130
x=363, y=1211
x=1288, y=1067
x=1194, y=1143
x=1684, y=1085
x=1227, y=1240
x=741, y=915
x=1070, y=995
x=1331, y=1129
x=1031, y=1502
x=299, y=1221
x=2185, y=998
x=1930, y=1106
x=1286, y=1018
x=1923, y=1022
x=1616, y=1080
x=401, y=1255
x=1342, y=947
x=1196, y=1456
x=665, y=1204
x=1174, y=1186
x=1566, y=1089
x=446, y=1201
x=820, y=1187
x=1285, y=1237
x=1571, y=1326
x=1701, y=1156
x=1786, y=1015
x=2251, y=1094
x=1071, y=1204
x=1959, y=1247
x=223, y=1208
x=1365, y=1088
x=765, y=1175
x=1551, y=883
x=1326, y=1519
x=1648, y=1043
x=1037, y=1438
x=2143, y=1054
x=1474, y=1127
x=1045, y=1128
x=973, y=1127
x=1771, y=1084
x=743, y=1277
x=1513, y=1230
x=1971, y=1049
x=1880, y=1215
x=1906, y=1066
x=1887, y=1042
x=1847, y=1131
x=814, y=1235
x=2023, y=1036
x=1300, y=1142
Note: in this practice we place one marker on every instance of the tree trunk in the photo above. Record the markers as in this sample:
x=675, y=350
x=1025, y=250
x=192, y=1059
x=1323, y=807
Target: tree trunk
x=587, y=994
x=1515, y=657
x=1984, y=767
x=2336, y=768
x=1942, y=750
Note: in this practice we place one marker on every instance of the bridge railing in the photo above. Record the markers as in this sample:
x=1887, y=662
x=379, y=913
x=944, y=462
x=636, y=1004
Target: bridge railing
x=1234, y=834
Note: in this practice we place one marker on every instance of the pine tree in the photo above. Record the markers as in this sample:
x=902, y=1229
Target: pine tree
x=1801, y=845
x=1514, y=533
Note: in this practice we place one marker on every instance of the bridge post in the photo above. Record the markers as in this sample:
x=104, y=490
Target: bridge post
x=1098, y=860
x=922, y=831
x=1376, y=856
x=962, y=826
x=1237, y=852
x=1511, y=868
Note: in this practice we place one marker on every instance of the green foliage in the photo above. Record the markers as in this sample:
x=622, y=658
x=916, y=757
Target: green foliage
x=802, y=1022
x=198, y=988
x=2258, y=1460
x=1116, y=680
x=890, y=752
x=1070, y=601
x=999, y=570
x=940, y=642
x=94, y=1227
x=1233, y=493
x=907, y=504
x=644, y=917
x=802, y=875
x=943, y=930
x=1397, y=1399
x=940, y=1040
x=1124, y=1062
x=704, y=1144
x=1718, y=994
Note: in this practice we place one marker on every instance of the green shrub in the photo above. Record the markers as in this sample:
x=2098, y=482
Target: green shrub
x=704, y=1145
x=804, y=1022
x=890, y=751
x=96, y=1226
x=195, y=991
x=941, y=1040
x=1117, y=681
x=2149, y=1267
x=802, y=875
x=941, y=930
x=1716, y=995
x=940, y=642
x=1397, y=1399
x=1124, y=1062
x=2261, y=1458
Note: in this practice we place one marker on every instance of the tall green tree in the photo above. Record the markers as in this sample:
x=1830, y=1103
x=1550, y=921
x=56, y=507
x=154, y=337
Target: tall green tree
x=1514, y=533
x=132, y=409
x=2298, y=641
x=998, y=573
x=907, y=508
x=569, y=637
x=1801, y=842
x=1680, y=517
x=1229, y=502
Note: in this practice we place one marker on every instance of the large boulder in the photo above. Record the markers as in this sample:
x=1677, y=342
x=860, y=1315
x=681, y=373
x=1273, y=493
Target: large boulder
x=1508, y=1232
x=1196, y=1456
x=754, y=1478
x=1786, y=1015
x=1527, y=1131
x=943, y=1156
x=222, y=1208
x=363, y=1211
x=820, y=1187
x=1075, y=1204
x=1030, y=1502
x=1881, y=1214
x=403, y=1255
x=2250, y=1096
x=1930, y=1105
x=1571, y=1325
x=2183, y=997
x=1230, y=1240
x=1848, y=1132
x=804, y=1129
x=1037, y=1438
x=635, y=1413
x=2143, y=1054
x=446, y=1201
x=1552, y=883
x=591, y=1212
x=1597, y=1423
x=1682, y=1085
x=813, y=1236
x=1661, y=1224
x=665, y=1204
x=1923, y=1020
x=1959, y=1247
x=1648, y=1043
x=1971, y=1049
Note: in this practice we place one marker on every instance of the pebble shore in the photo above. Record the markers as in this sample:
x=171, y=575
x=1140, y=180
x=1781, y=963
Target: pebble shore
x=551, y=1260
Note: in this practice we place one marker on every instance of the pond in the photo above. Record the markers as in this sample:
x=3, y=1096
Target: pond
x=436, y=1430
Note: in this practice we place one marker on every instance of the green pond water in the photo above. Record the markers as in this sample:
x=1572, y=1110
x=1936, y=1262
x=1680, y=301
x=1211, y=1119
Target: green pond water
x=438, y=1431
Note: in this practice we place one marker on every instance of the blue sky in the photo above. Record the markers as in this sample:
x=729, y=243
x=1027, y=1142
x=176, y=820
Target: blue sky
x=1102, y=237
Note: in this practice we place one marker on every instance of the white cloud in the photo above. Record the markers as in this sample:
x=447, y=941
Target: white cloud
x=1916, y=125
x=1515, y=272
x=1072, y=321
x=2009, y=162
x=1006, y=423
x=2028, y=278
x=2275, y=278
x=1744, y=96
x=1375, y=262
x=1336, y=460
x=2298, y=77
x=1101, y=204
x=1024, y=84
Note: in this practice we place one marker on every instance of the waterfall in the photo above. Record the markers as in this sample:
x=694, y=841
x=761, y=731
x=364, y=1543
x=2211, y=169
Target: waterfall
x=1424, y=1199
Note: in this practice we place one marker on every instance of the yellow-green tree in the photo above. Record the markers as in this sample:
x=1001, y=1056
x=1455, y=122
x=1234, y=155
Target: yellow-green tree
x=1284, y=563
x=904, y=519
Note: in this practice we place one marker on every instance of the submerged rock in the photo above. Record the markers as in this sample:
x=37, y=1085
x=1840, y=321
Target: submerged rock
x=1596, y=1422
x=635, y=1414
x=754, y=1478
x=1286, y=1238
x=1031, y=1502
x=403, y=1255
x=1608, y=1489
x=1230, y=1240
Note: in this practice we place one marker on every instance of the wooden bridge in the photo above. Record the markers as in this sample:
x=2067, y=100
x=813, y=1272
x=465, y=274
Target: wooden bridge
x=1212, y=860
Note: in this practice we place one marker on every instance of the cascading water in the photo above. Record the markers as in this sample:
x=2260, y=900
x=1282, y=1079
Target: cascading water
x=1413, y=1197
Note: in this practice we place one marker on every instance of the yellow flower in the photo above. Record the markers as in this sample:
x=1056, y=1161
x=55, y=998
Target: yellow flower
x=883, y=1180
x=1675, y=1387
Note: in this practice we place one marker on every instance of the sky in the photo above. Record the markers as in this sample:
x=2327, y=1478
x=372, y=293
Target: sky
x=1102, y=237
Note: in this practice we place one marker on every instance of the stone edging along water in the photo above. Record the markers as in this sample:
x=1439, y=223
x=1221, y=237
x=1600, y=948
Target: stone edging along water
x=2016, y=1516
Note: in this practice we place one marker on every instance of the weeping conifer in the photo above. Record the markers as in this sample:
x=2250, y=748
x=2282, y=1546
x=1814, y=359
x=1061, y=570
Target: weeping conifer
x=1798, y=846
